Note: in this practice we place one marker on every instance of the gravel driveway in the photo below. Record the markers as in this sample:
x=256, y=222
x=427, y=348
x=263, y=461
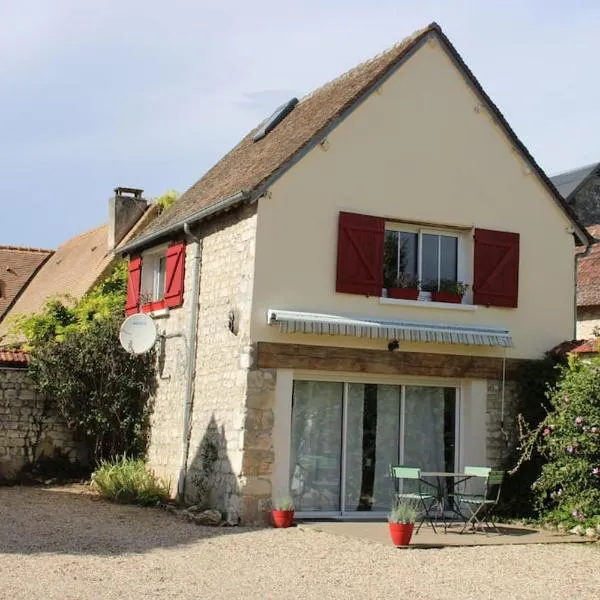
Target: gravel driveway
x=57, y=543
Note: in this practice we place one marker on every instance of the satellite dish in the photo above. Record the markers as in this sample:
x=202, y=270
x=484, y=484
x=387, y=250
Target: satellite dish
x=138, y=333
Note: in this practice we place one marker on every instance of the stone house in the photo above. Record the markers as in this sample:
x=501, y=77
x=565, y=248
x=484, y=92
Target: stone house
x=581, y=190
x=29, y=425
x=82, y=261
x=289, y=361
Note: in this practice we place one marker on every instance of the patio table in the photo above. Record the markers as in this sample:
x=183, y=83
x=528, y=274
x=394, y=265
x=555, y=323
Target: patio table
x=445, y=479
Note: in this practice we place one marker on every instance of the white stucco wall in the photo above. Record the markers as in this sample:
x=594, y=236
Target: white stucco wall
x=424, y=149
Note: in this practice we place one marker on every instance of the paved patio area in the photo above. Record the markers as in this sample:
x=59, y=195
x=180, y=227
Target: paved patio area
x=376, y=531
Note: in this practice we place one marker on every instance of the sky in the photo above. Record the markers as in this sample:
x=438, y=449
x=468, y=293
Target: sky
x=148, y=94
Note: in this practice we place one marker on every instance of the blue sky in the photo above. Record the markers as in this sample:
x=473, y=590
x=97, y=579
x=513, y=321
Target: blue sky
x=105, y=93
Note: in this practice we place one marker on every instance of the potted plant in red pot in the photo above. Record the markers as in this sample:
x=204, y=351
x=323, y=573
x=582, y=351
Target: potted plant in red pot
x=449, y=291
x=401, y=522
x=404, y=287
x=282, y=513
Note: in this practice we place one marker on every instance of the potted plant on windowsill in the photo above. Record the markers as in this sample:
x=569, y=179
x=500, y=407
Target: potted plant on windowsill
x=282, y=514
x=404, y=287
x=449, y=291
x=401, y=522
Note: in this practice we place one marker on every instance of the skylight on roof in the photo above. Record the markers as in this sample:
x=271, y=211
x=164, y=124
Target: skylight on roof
x=279, y=115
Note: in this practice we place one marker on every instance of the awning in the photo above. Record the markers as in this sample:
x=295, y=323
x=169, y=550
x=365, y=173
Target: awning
x=406, y=331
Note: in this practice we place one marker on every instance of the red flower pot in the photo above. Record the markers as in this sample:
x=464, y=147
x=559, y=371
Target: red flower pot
x=282, y=518
x=401, y=533
x=446, y=297
x=152, y=306
x=403, y=293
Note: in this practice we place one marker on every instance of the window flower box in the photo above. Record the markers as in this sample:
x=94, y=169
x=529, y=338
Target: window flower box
x=403, y=293
x=152, y=306
x=446, y=297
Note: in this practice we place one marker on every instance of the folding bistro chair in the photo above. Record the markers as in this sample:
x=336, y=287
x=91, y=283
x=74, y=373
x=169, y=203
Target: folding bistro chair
x=425, y=498
x=481, y=506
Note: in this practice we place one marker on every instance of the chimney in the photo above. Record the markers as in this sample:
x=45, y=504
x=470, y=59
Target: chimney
x=124, y=210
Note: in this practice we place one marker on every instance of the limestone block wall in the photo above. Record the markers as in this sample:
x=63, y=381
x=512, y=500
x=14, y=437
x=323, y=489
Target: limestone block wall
x=218, y=418
x=499, y=444
x=29, y=426
x=216, y=474
x=588, y=319
x=166, y=434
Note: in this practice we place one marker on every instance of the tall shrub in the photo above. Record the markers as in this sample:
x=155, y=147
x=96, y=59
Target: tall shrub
x=102, y=391
x=568, y=488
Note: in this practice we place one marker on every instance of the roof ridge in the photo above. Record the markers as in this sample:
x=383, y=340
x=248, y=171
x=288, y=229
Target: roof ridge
x=25, y=249
x=394, y=47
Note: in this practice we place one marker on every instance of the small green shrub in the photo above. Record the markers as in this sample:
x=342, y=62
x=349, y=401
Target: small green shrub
x=403, y=511
x=128, y=481
x=284, y=503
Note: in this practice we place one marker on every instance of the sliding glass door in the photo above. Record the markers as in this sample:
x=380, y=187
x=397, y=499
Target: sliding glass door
x=344, y=436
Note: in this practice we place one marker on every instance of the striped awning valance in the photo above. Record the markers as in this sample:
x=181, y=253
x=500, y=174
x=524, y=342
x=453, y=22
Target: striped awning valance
x=408, y=331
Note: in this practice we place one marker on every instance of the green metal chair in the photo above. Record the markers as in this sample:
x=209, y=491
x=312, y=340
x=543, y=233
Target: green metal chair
x=417, y=494
x=481, y=506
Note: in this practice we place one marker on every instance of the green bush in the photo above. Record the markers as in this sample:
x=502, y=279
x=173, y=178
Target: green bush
x=568, y=488
x=128, y=481
x=103, y=392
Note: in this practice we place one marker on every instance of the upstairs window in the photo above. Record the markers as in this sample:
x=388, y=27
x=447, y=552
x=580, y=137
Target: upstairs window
x=156, y=279
x=372, y=253
x=421, y=254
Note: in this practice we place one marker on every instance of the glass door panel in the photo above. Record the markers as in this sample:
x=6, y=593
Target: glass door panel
x=430, y=428
x=372, y=444
x=316, y=452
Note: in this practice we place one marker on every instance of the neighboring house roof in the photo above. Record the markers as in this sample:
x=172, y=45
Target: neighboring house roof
x=13, y=358
x=589, y=347
x=570, y=182
x=17, y=267
x=588, y=274
x=247, y=170
x=73, y=270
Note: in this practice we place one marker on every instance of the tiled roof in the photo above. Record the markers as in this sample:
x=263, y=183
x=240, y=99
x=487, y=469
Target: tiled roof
x=17, y=266
x=13, y=358
x=569, y=182
x=588, y=274
x=588, y=347
x=251, y=166
x=73, y=270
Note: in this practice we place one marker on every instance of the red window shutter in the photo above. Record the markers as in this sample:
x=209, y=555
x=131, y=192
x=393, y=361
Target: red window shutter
x=134, y=284
x=174, y=274
x=496, y=269
x=360, y=254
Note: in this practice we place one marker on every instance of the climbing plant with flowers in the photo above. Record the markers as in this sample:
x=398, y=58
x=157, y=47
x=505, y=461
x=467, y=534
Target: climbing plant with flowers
x=568, y=489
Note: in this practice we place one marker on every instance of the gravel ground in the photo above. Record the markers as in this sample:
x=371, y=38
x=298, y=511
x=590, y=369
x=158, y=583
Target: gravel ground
x=64, y=543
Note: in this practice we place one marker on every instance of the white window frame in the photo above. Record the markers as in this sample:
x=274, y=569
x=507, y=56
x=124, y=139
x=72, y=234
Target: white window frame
x=151, y=274
x=462, y=250
x=284, y=416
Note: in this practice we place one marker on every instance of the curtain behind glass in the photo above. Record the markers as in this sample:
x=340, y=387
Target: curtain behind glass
x=424, y=428
x=316, y=448
x=371, y=445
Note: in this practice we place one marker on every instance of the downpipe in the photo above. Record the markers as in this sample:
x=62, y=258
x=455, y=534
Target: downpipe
x=188, y=394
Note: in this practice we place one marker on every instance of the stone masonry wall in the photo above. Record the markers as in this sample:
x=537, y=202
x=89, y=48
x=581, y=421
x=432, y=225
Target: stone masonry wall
x=499, y=445
x=29, y=427
x=215, y=476
x=588, y=319
x=166, y=433
x=586, y=202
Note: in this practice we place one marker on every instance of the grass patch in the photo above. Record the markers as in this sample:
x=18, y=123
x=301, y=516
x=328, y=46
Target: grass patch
x=128, y=481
